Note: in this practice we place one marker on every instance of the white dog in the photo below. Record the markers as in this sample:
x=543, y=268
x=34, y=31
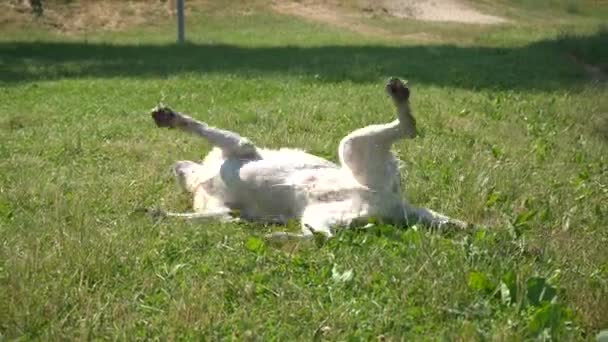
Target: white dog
x=278, y=185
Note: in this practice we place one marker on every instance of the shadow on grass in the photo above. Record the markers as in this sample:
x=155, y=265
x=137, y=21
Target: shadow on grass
x=542, y=65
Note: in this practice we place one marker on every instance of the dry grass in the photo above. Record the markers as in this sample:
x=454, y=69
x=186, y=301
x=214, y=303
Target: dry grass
x=78, y=17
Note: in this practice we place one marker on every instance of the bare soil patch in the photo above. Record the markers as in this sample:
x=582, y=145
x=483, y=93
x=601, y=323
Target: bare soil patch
x=333, y=13
x=437, y=10
x=328, y=14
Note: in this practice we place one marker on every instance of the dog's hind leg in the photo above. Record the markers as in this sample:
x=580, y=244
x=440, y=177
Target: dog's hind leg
x=366, y=151
x=287, y=236
x=231, y=143
x=322, y=218
x=222, y=215
x=433, y=219
x=306, y=234
x=314, y=220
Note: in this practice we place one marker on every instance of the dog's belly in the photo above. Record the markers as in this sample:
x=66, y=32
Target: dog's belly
x=277, y=188
x=280, y=186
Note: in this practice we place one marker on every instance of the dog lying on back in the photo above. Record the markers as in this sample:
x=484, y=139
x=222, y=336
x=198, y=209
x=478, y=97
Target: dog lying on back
x=275, y=186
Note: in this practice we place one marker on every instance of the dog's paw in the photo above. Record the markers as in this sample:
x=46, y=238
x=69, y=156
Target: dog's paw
x=164, y=116
x=277, y=237
x=231, y=219
x=458, y=224
x=397, y=90
x=156, y=214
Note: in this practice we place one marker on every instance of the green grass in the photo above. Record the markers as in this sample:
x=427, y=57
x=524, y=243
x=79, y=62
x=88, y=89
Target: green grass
x=514, y=138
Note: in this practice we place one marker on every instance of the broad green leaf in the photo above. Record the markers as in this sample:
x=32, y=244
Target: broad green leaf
x=551, y=316
x=508, y=288
x=480, y=282
x=539, y=291
x=493, y=198
x=523, y=218
x=255, y=245
x=505, y=294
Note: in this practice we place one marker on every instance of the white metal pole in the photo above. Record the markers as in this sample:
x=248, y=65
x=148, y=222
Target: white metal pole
x=181, y=30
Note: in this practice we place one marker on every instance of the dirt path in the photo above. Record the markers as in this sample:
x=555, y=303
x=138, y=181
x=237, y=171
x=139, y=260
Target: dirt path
x=322, y=12
x=427, y=10
x=438, y=10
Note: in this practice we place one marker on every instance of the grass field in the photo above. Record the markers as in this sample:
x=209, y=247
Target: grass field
x=514, y=138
